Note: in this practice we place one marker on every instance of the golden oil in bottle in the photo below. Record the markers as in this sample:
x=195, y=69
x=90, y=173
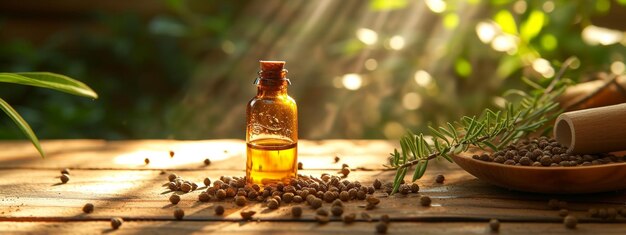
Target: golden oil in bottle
x=272, y=128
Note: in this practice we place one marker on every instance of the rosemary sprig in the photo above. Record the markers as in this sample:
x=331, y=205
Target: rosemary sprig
x=490, y=130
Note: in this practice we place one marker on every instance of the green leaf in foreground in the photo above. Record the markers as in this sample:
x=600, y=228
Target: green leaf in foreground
x=46, y=80
x=22, y=124
x=50, y=80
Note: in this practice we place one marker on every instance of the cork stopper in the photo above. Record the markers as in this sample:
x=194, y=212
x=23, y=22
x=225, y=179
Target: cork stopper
x=272, y=69
x=269, y=65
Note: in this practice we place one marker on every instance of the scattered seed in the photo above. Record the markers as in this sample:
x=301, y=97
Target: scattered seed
x=207, y=182
x=179, y=214
x=299, y=165
x=345, y=171
x=440, y=179
x=415, y=188
x=88, y=208
x=377, y=184
x=171, y=153
x=404, y=189
x=316, y=203
x=147, y=161
x=220, y=194
x=337, y=202
x=65, y=178
x=349, y=218
x=321, y=211
x=336, y=210
x=288, y=197
x=344, y=196
x=65, y=171
x=494, y=225
x=172, y=177
x=247, y=215
x=219, y=210
x=174, y=199
x=337, y=159
x=381, y=227
x=611, y=213
x=186, y=187
x=296, y=211
x=570, y=221
x=272, y=204
x=321, y=219
x=372, y=200
x=297, y=199
x=425, y=201
x=240, y=200
x=116, y=222
x=563, y=212
x=602, y=213
x=207, y=162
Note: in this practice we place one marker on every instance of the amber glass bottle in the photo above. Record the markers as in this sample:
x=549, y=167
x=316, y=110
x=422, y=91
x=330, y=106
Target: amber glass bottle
x=272, y=128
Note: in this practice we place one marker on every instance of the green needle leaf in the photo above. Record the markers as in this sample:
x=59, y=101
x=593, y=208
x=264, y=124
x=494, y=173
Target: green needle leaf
x=22, y=124
x=50, y=80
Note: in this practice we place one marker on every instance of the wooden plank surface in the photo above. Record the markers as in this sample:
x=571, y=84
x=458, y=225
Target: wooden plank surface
x=113, y=177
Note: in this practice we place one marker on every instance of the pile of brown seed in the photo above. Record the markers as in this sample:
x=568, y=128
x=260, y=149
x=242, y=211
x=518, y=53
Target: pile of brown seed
x=179, y=184
x=544, y=151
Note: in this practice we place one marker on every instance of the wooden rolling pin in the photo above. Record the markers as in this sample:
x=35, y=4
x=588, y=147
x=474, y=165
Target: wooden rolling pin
x=596, y=130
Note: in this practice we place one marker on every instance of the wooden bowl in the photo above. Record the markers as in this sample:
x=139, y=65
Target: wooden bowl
x=557, y=180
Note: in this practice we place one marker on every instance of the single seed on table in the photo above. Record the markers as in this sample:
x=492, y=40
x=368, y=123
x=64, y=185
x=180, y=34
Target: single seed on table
x=207, y=162
x=65, y=171
x=337, y=202
x=494, y=225
x=404, y=189
x=440, y=179
x=247, y=215
x=345, y=172
x=321, y=219
x=288, y=197
x=377, y=184
x=116, y=222
x=174, y=199
x=207, y=182
x=299, y=165
x=337, y=159
x=240, y=200
x=194, y=186
x=296, y=211
x=415, y=188
x=204, y=197
x=171, y=153
x=349, y=218
x=64, y=178
x=172, y=177
x=563, y=212
x=219, y=210
x=179, y=214
x=372, y=200
x=385, y=218
x=570, y=221
x=297, y=199
x=88, y=208
x=272, y=204
x=147, y=161
x=321, y=211
x=425, y=200
x=336, y=210
x=186, y=187
x=162, y=172
x=344, y=196
x=381, y=227
x=220, y=194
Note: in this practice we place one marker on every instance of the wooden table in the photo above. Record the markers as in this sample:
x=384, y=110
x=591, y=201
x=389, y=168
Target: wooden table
x=113, y=176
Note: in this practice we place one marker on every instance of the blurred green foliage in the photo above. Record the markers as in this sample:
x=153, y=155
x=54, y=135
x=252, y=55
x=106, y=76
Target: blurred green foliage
x=186, y=70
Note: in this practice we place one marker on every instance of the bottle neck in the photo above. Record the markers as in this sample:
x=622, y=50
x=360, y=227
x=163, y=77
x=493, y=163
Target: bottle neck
x=271, y=90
